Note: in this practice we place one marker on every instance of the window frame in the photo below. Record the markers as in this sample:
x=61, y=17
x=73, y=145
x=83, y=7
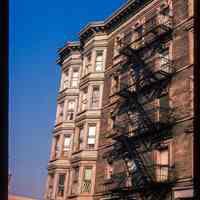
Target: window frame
x=71, y=111
x=87, y=183
x=101, y=62
x=61, y=187
x=80, y=138
x=84, y=99
x=75, y=79
x=66, y=148
x=95, y=100
x=91, y=146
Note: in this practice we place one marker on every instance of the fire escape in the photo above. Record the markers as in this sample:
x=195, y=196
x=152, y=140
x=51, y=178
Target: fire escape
x=140, y=125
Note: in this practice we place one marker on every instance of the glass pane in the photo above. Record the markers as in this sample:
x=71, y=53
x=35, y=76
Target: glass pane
x=62, y=180
x=88, y=174
x=99, y=66
x=164, y=101
x=91, y=140
x=99, y=56
x=71, y=105
x=92, y=130
x=67, y=141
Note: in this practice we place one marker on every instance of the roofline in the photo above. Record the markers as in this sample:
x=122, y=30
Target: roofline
x=68, y=45
x=108, y=19
x=90, y=25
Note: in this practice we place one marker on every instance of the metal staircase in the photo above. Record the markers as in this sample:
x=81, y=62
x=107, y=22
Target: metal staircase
x=149, y=83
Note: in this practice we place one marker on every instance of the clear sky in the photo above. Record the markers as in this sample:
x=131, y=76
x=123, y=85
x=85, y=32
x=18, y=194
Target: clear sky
x=37, y=29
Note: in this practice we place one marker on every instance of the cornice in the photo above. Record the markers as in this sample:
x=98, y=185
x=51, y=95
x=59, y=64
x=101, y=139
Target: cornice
x=67, y=50
x=111, y=23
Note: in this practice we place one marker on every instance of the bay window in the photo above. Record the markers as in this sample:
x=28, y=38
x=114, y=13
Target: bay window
x=91, y=136
x=95, y=97
x=99, y=61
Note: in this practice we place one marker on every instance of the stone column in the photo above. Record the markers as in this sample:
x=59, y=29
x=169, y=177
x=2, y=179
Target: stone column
x=55, y=185
x=80, y=178
x=66, y=191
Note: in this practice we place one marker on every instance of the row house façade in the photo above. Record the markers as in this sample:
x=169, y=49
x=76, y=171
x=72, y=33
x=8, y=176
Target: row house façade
x=124, y=122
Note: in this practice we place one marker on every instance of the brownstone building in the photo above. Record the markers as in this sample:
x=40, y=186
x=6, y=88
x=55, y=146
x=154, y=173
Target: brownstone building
x=129, y=132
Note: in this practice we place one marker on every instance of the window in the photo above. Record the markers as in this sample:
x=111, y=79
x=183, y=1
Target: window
x=110, y=123
x=164, y=108
x=75, y=175
x=87, y=180
x=66, y=80
x=80, y=138
x=57, y=146
x=87, y=64
x=99, y=61
x=84, y=100
x=164, y=16
x=95, y=97
x=139, y=36
x=67, y=142
x=114, y=84
x=109, y=171
x=74, y=81
x=117, y=44
x=91, y=136
x=162, y=164
x=61, y=185
x=60, y=112
x=70, y=110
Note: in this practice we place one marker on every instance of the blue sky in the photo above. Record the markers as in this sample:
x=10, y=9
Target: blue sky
x=37, y=30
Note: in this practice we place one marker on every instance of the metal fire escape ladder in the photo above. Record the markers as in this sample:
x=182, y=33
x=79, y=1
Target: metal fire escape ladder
x=148, y=85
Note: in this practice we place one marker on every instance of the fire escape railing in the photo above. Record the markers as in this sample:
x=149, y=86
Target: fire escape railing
x=135, y=120
x=155, y=28
x=161, y=117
